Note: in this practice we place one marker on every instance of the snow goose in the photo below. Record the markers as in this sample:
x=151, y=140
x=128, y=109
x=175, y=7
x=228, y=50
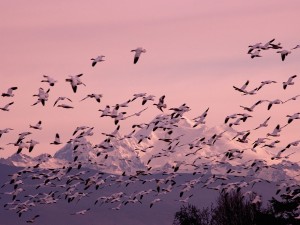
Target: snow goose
x=5, y=108
x=56, y=140
x=49, y=80
x=161, y=105
x=97, y=59
x=9, y=92
x=60, y=99
x=138, y=52
x=95, y=96
x=289, y=81
x=75, y=81
x=37, y=126
x=284, y=54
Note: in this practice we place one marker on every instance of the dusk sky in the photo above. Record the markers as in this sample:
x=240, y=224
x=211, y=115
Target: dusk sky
x=196, y=52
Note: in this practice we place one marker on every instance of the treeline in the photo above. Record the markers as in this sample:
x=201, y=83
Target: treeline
x=235, y=209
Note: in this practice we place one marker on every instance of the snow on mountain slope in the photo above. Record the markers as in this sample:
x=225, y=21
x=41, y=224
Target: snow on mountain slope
x=162, y=146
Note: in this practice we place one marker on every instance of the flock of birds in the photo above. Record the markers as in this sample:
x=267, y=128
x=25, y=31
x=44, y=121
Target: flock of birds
x=73, y=182
x=255, y=49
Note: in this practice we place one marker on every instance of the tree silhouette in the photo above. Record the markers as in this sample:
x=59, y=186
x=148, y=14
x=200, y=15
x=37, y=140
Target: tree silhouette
x=191, y=215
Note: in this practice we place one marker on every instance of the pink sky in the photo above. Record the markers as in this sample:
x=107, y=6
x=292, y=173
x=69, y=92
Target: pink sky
x=196, y=51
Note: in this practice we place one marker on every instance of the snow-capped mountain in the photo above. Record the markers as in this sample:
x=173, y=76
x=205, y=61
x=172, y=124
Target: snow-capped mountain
x=162, y=147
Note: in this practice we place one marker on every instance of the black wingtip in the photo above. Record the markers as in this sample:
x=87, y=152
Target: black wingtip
x=136, y=59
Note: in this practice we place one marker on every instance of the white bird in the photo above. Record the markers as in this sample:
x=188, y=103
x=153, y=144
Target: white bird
x=295, y=116
x=275, y=46
x=275, y=132
x=21, y=145
x=9, y=92
x=263, y=83
x=75, y=81
x=65, y=106
x=259, y=141
x=161, y=104
x=82, y=212
x=186, y=200
x=32, y=144
x=155, y=201
x=232, y=116
x=255, y=54
x=255, y=46
x=56, y=140
x=297, y=46
x=289, y=81
x=284, y=54
x=294, y=143
x=32, y=220
x=137, y=113
x=200, y=119
x=105, y=111
x=42, y=96
x=264, y=124
x=4, y=131
x=278, y=155
x=138, y=52
x=60, y=99
x=49, y=80
x=147, y=98
x=138, y=95
x=272, y=144
x=293, y=98
x=97, y=59
x=5, y=108
x=37, y=126
x=276, y=101
x=250, y=109
x=267, y=45
x=22, y=136
x=95, y=96
x=79, y=128
x=242, y=89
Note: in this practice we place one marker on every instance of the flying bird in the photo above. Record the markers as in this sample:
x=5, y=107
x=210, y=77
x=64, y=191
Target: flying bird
x=289, y=81
x=243, y=88
x=161, y=103
x=56, y=140
x=293, y=98
x=82, y=212
x=284, y=54
x=37, y=126
x=75, y=81
x=138, y=52
x=97, y=59
x=200, y=119
x=275, y=132
x=95, y=96
x=9, y=92
x=263, y=83
x=295, y=116
x=32, y=220
x=276, y=101
x=49, y=80
x=250, y=109
x=32, y=143
x=255, y=54
x=60, y=99
x=5, y=108
x=65, y=106
x=42, y=96
x=147, y=98
x=264, y=124
x=4, y=131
